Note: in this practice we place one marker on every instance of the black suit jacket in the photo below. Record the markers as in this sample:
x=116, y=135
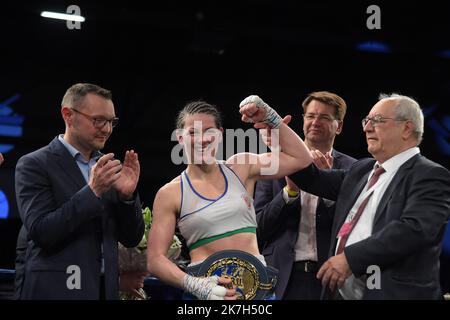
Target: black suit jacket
x=407, y=229
x=278, y=224
x=21, y=250
x=61, y=216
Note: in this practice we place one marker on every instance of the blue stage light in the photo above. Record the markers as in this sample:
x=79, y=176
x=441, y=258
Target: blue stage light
x=10, y=122
x=4, y=206
x=444, y=54
x=373, y=46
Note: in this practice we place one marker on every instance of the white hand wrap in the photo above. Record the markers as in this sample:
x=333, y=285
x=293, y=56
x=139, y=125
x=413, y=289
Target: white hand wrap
x=204, y=288
x=272, y=118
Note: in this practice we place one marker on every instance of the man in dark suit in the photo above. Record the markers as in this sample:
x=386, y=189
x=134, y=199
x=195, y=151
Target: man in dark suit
x=391, y=211
x=294, y=227
x=76, y=204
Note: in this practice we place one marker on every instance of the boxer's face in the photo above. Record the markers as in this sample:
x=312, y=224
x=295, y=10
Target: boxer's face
x=201, y=138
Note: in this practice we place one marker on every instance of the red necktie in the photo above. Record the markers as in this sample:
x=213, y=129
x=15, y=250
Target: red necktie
x=347, y=227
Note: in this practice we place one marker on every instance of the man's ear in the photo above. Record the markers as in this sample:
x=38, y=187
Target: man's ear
x=66, y=113
x=339, y=127
x=221, y=136
x=409, y=130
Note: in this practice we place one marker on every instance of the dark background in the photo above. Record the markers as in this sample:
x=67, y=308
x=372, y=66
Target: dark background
x=156, y=56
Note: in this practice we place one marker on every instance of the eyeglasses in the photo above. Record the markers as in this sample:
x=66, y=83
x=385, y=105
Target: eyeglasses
x=377, y=119
x=319, y=117
x=99, y=122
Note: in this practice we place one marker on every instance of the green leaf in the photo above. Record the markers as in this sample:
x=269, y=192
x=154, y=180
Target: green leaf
x=147, y=213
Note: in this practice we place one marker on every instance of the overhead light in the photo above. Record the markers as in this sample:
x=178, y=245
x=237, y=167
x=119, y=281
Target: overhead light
x=62, y=16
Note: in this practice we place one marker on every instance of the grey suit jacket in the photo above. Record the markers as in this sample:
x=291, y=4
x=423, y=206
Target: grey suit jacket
x=66, y=225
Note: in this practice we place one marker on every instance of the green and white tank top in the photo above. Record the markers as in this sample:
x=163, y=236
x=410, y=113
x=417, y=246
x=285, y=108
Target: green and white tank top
x=204, y=220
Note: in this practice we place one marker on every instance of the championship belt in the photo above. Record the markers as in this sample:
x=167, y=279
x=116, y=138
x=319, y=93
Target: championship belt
x=251, y=279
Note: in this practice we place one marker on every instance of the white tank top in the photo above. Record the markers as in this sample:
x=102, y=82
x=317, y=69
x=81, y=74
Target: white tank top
x=204, y=220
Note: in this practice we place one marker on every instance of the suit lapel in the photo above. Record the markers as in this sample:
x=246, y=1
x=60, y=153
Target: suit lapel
x=356, y=190
x=67, y=163
x=336, y=159
x=401, y=173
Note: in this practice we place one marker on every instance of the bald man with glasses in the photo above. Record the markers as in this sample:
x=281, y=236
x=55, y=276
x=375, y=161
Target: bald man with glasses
x=76, y=204
x=391, y=211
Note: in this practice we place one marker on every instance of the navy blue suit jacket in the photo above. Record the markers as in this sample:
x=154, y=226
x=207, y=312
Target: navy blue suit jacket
x=278, y=224
x=408, y=226
x=61, y=216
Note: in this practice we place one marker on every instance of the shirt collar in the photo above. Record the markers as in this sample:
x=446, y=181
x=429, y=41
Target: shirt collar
x=77, y=154
x=398, y=160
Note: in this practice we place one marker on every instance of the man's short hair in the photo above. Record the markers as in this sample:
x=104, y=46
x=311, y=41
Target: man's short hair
x=407, y=108
x=329, y=99
x=76, y=93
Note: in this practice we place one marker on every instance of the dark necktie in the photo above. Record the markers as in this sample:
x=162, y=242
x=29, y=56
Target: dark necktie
x=347, y=227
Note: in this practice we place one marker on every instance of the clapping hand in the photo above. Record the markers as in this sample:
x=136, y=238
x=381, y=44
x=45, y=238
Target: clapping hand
x=322, y=161
x=104, y=174
x=129, y=176
x=109, y=172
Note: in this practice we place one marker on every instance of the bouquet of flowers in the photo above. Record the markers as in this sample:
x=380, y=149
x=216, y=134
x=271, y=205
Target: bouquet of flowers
x=135, y=259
